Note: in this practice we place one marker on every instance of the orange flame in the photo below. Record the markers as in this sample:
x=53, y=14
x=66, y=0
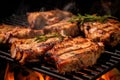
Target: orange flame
x=47, y=78
x=114, y=74
x=40, y=75
x=8, y=74
x=32, y=75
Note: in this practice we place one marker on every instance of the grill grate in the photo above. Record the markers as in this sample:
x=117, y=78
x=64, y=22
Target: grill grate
x=107, y=61
x=20, y=20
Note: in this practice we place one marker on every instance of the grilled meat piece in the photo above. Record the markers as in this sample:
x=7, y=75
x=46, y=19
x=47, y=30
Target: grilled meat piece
x=74, y=54
x=38, y=20
x=5, y=31
x=107, y=32
x=32, y=50
x=65, y=28
x=8, y=31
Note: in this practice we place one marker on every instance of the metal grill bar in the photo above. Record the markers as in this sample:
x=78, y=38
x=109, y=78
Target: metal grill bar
x=90, y=73
x=16, y=20
x=42, y=69
x=115, y=54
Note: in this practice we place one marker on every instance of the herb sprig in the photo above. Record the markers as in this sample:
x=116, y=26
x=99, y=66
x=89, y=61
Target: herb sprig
x=90, y=18
x=43, y=38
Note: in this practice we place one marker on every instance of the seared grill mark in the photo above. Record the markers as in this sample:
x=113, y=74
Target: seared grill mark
x=69, y=43
x=65, y=28
x=101, y=27
x=29, y=50
x=107, y=32
x=38, y=20
x=8, y=31
x=74, y=54
x=73, y=47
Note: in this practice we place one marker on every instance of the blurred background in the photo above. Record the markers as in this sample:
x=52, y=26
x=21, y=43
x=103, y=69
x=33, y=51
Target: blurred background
x=100, y=7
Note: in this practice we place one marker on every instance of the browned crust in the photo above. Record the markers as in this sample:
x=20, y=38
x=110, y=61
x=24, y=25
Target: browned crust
x=107, y=32
x=74, y=54
x=8, y=31
x=65, y=28
x=38, y=20
x=29, y=50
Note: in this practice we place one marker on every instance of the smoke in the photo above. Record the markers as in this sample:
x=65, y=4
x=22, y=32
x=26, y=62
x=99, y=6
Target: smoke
x=70, y=6
x=22, y=8
x=42, y=9
x=106, y=6
x=100, y=7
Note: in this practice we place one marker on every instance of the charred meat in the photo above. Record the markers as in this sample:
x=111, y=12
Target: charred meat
x=74, y=54
x=38, y=20
x=8, y=31
x=31, y=50
x=65, y=28
x=107, y=32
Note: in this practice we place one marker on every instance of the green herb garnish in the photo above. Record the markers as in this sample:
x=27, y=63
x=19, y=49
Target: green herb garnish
x=42, y=38
x=90, y=18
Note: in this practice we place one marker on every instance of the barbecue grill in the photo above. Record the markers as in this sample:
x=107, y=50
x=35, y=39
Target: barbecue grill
x=108, y=60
